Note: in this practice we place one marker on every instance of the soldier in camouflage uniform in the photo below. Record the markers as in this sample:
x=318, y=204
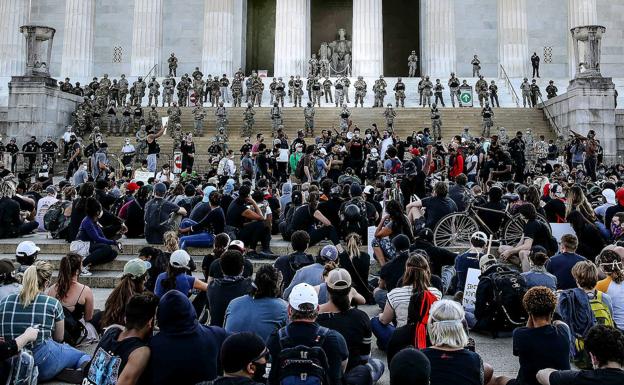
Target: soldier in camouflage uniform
x=173, y=65
x=215, y=91
x=327, y=85
x=139, y=91
x=536, y=93
x=126, y=119
x=436, y=122
x=123, y=90
x=175, y=115
x=481, y=87
x=309, y=83
x=525, y=87
x=168, y=90
x=503, y=138
x=379, y=89
x=427, y=88
x=183, y=90
x=487, y=115
x=272, y=87
x=551, y=90
x=222, y=139
x=106, y=84
x=308, y=113
x=248, y=120
x=249, y=89
x=92, y=87
x=346, y=83
x=280, y=92
x=454, y=84
x=339, y=92
x=399, y=92
x=101, y=98
x=291, y=85
x=237, y=91
x=153, y=118
x=344, y=118
x=298, y=91
x=258, y=89
x=198, y=90
x=437, y=91
x=276, y=117
x=529, y=141
x=112, y=128
x=389, y=114
x=420, y=91
x=154, y=91
x=412, y=64
x=198, y=120
x=316, y=92
x=494, y=94
x=176, y=134
x=360, y=91
x=221, y=114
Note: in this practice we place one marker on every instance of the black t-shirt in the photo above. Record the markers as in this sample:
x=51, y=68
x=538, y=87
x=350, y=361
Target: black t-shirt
x=9, y=218
x=221, y=292
x=491, y=219
x=392, y=271
x=358, y=268
x=501, y=165
x=608, y=376
x=555, y=211
x=541, y=348
x=330, y=209
x=356, y=149
x=436, y=209
x=135, y=219
x=122, y=349
x=354, y=325
x=303, y=219
x=455, y=367
x=234, y=216
x=538, y=232
x=214, y=271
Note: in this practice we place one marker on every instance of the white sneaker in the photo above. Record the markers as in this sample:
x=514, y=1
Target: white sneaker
x=85, y=272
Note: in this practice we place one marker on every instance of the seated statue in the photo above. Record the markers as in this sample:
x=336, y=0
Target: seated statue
x=339, y=52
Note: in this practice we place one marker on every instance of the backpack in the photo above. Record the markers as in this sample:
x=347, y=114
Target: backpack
x=54, y=218
x=316, y=172
x=300, y=364
x=372, y=168
x=509, y=287
x=359, y=224
x=23, y=370
x=75, y=332
x=396, y=166
x=299, y=172
x=602, y=316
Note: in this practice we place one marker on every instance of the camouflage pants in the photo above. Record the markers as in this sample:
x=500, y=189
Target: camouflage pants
x=436, y=128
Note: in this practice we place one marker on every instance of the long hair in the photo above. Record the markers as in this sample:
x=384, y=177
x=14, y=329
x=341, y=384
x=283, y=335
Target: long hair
x=36, y=277
x=417, y=273
x=86, y=191
x=267, y=282
x=400, y=223
x=340, y=298
x=577, y=220
x=170, y=241
x=221, y=243
x=115, y=306
x=354, y=241
x=313, y=199
x=576, y=200
x=169, y=283
x=70, y=264
x=611, y=263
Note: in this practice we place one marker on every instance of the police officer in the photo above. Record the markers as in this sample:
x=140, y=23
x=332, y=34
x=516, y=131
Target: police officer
x=30, y=150
x=551, y=90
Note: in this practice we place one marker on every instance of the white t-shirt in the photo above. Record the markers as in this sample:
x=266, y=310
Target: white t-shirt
x=42, y=208
x=472, y=159
x=399, y=299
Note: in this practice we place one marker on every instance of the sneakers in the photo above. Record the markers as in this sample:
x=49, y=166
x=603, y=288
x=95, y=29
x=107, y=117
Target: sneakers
x=72, y=376
x=85, y=272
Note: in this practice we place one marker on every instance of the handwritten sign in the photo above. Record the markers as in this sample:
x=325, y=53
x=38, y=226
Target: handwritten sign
x=470, y=290
x=142, y=176
x=561, y=229
x=371, y=237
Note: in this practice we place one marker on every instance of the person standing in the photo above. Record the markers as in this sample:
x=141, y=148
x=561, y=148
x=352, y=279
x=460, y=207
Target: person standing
x=494, y=94
x=476, y=66
x=30, y=150
x=535, y=63
x=153, y=149
x=188, y=153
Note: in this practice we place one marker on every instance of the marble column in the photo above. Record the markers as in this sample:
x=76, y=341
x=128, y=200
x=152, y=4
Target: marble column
x=580, y=13
x=147, y=38
x=14, y=14
x=223, y=27
x=367, y=38
x=439, y=52
x=292, y=37
x=513, y=38
x=78, y=39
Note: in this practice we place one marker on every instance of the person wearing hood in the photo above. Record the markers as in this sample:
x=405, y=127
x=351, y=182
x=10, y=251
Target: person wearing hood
x=184, y=352
x=228, y=194
x=286, y=197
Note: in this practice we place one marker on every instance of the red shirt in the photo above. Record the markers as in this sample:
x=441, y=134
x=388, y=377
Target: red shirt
x=458, y=166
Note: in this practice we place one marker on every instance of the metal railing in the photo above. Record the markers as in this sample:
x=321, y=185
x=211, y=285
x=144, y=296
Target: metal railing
x=510, y=87
x=150, y=71
x=550, y=117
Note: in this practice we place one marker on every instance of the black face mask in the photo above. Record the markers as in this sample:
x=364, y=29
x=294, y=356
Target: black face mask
x=260, y=373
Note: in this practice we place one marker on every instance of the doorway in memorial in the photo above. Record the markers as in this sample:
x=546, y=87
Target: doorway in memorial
x=326, y=18
x=260, y=35
x=401, y=35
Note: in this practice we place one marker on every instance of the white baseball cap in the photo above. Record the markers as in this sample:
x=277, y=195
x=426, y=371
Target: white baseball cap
x=369, y=190
x=323, y=151
x=302, y=293
x=238, y=244
x=180, y=258
x=609, y=195
x=26, y=249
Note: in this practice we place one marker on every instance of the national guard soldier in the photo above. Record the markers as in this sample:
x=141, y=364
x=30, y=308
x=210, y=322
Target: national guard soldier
x=487, y=115
x=437, y=91
x=173, y=65
x=183, y=91
x=272, y=88
x=105, y=83
x=327, y=85
x=174, y=114
x=248, y=120
x=481, y=87
x=360, y=91
x=249, y=89
x=225, y=83
x=313, y=66
x=216, y=91
x=101, y=98
x=291, y=85
x=503, y=138
x=258, y=88
x=389, y=114
x=420, y=90
x=536, y=93
x=198, y=120
x=494, y=94
x=316, y=91
x=309, y=83
x=139, y=91
x=154, y=91
x=176, y=134
x=344, y=118
x=427, y=87
x=399, y=92
x=298, y=91
x=240, y=73
x=152, y=117
x=221, y=114
x=92, y=87
x=66, y=86
x=339, y=92
x=280, y=91
x=412, y=64
x=77, y=90
x=308, y=114
x=111, y=113
x=123, y=90
x=551, y=90
x=525, y=87
x=436, y=122
x=197, y=73
x=137, y=115
x=222, y=139
x=276, y=117
x=114, y=92
x=466, y=135
x=346, y=83
x=168, y=89
x=141, y=140
x=476, y=66
x=126, y=119
x=379, y=88
x=198, y=89
x=453, y=84
x=237, y=90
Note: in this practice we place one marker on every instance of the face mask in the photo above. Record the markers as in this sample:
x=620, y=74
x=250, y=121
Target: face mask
x=260, y=373
x=368, y=136
x=84, y=168
x=357, y=135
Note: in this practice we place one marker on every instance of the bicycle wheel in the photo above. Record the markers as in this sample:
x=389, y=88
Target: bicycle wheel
x=513, y=229
x=454, y=230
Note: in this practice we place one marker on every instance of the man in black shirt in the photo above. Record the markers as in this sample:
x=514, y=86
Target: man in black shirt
x=517, y=150
x=223, y=290
x=30, y=150
x=289, y=264
x=248, y=222
x=437, y=206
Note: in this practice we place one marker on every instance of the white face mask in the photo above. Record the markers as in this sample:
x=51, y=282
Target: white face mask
x=84, y=168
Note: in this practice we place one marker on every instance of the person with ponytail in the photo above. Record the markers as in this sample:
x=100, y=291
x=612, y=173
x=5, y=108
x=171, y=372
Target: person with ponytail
x=31, y=307
x=357, y=263
x=76, y=298
x=610, y=262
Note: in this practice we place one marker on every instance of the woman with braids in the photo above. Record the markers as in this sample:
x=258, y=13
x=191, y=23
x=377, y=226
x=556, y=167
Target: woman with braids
x=262, y=311
x=11, y=224
x=76, y=298
x=610, y=263
x=357, y=263
x=416, y=281
x=31, y=307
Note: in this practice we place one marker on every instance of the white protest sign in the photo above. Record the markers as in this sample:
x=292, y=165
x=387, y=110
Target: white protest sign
x=560, y=229
x=142, y=176
x=470, y=290
x=371, y=237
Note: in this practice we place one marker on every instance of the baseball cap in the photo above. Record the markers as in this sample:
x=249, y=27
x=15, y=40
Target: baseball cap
x=302, y=294
x=480, y=235
x=132, y=186
x=207, y=191
x=136, y=267
x=160, y=189
x=323, y=151
x=619, y=196
x=329, y=253
x=369, y=190
x=609, y=195
x=486, y=261
x=339, y=279
x=26, y=248
x=237, y=244
x=180, y=258
x=239, y=349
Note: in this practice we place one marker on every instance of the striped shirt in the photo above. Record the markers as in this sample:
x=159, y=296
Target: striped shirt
x=44, y=311
x=399, y=299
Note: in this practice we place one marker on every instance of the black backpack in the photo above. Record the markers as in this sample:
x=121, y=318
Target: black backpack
x=509, y=287
x=372, y=168
x=300, y=364
x=75, y=332
x=299, y=171
x=54, y=218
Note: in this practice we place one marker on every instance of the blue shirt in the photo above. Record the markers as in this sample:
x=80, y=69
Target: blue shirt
x=261, y=316
x=463, y=262
x=312, y=275
x=561, y=267
x=184, y=284
x=540, y=277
